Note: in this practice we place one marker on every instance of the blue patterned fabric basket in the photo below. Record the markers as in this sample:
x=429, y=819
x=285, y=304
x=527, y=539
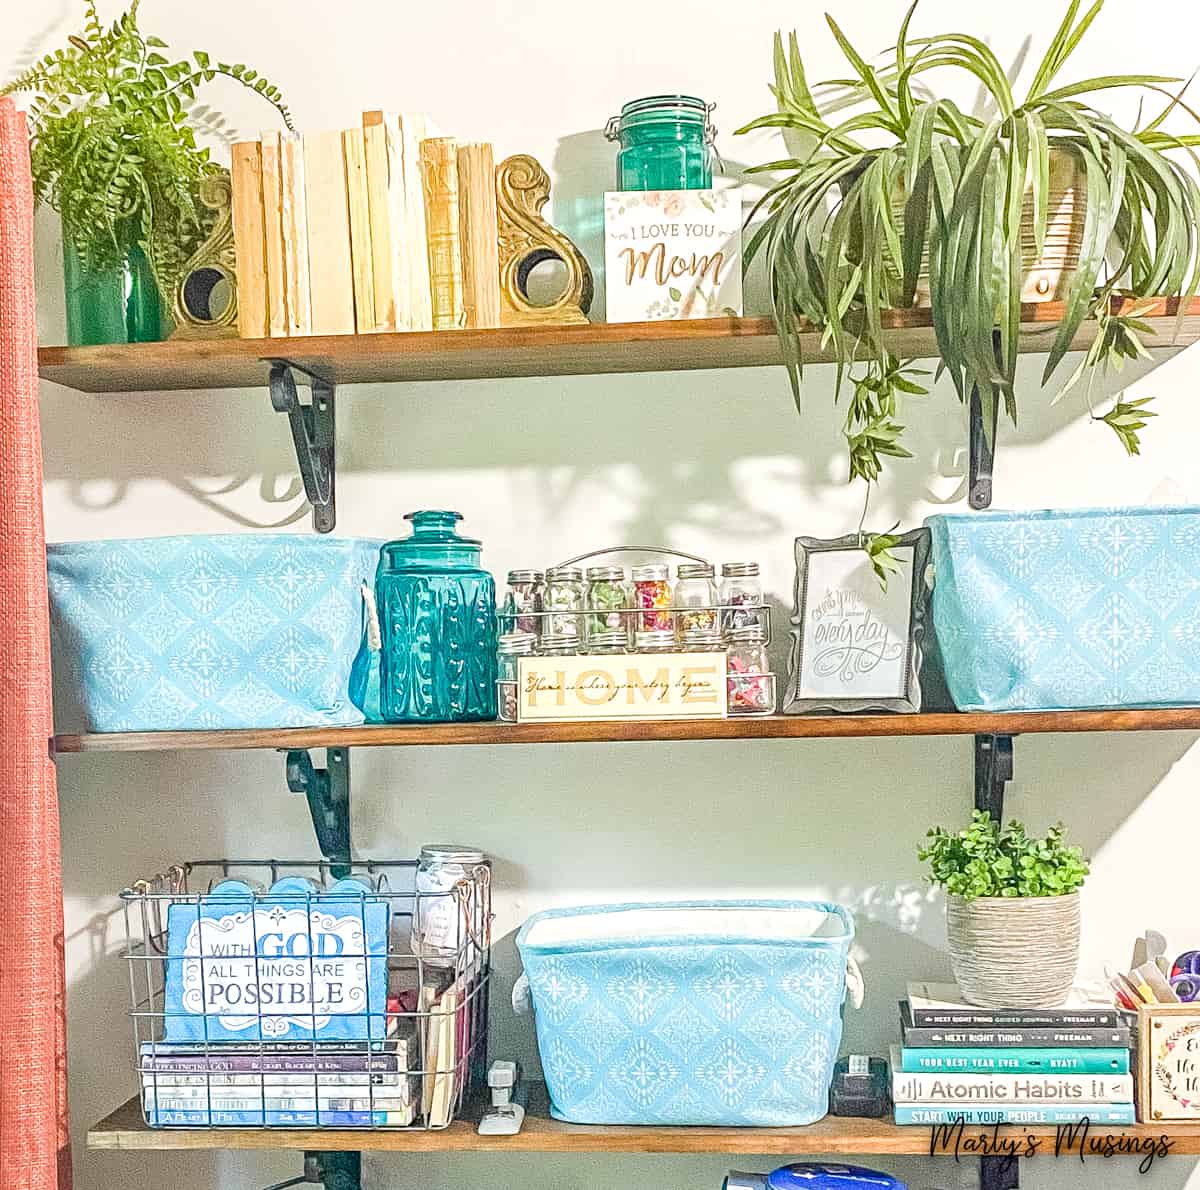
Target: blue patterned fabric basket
x=700, y=1012
x=1073, y=609
x=208, y=633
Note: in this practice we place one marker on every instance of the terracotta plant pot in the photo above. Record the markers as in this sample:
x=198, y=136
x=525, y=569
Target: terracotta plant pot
x=1014, y=952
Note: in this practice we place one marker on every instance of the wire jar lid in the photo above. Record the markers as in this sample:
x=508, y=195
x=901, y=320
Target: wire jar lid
x=606, y=574
x=564, y=574
x=684, y=109
x=512, y=643
x=525, y=576
x=651, y=572
x=695, y=570
x=739, y=570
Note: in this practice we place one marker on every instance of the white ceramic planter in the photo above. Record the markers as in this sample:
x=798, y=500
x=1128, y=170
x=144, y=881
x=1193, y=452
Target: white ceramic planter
x=1014, y=952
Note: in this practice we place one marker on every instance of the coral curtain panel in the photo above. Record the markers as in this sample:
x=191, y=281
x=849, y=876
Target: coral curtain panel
x=34, y=1151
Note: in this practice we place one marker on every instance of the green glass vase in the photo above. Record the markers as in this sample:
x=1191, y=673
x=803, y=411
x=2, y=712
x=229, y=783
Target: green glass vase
x=120, y=304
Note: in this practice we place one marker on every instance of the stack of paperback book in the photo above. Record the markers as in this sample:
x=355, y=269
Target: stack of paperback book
x=1056, y=1065
x=287, y=1084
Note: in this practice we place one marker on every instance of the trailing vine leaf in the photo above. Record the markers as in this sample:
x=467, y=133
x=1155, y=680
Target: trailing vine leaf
x=1125, y=419
x=878, y=547
x=112, y=148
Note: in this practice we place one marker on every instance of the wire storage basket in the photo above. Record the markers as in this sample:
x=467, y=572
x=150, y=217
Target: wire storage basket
x=297, y=994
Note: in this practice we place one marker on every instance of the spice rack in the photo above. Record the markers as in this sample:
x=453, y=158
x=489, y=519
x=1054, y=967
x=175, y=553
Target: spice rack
x=333, y=1156
x=596, y=612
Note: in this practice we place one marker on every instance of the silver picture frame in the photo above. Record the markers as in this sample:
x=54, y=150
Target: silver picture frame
x=905, y=696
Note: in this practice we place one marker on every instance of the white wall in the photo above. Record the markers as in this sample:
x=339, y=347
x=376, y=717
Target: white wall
x=710, y=462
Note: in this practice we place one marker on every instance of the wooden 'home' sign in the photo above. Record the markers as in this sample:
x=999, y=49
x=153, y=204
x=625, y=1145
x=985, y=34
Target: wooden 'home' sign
x=1169, y=1062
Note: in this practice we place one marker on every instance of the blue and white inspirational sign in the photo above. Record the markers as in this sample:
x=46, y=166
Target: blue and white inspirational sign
x=290, y=965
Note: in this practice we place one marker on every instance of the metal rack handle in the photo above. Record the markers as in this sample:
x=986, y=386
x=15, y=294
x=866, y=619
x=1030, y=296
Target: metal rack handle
x=635, y=549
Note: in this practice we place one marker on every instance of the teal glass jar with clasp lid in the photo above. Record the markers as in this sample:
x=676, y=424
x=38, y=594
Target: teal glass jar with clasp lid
x=666, y=143
x=437, y=614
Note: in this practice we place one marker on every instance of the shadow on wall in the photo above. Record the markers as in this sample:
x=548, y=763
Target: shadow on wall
x=689, y=449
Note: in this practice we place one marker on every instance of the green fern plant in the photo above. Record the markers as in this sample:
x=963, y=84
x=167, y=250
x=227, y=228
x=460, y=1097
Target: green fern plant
x=900, y=178
x=111, y=144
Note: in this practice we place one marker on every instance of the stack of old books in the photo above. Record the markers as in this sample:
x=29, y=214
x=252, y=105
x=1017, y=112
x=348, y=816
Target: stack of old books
x=383, y=227
x=1059, y=1065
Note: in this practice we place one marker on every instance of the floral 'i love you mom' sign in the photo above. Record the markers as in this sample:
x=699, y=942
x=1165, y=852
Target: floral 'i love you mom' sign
x=672, y=254
x=293, y=964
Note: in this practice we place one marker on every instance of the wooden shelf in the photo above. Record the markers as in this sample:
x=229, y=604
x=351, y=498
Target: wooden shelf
x=774, y=727
x=594, y=349
x=126, y=1130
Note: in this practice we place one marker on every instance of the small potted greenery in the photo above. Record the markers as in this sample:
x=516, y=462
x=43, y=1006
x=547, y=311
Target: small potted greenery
x=893, y=196
x=1012, y=911
x=114, y=152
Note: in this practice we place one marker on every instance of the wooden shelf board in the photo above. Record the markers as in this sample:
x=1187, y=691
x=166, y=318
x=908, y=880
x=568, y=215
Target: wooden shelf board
x=774, y=727
x=125, y=1129
x=593, y=349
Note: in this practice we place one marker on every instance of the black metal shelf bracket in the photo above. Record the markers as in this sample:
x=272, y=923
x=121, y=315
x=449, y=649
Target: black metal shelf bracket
x=334, y=1171
x=993, y=772
x=313, y=433
x=982, y=443
x=328, y=794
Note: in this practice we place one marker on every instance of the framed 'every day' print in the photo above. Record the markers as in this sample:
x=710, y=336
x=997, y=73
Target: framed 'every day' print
x=856, y=643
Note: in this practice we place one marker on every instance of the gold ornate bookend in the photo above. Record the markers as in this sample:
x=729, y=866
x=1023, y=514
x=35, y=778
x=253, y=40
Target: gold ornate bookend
x=527, y=240
x=204, y=294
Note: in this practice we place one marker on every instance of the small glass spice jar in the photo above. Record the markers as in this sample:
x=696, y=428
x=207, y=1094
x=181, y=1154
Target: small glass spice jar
x=511, y=647
x=523, y=601
x=441, y=917
x=607, y=600
x=695, y=599
x=609, y=642
x=751, y=686
x=563, y=600
x=654, y=640
x=652, y=597
x=741, y=595
x=558, y=644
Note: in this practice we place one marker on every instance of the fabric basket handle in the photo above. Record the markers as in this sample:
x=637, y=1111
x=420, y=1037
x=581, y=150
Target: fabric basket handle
x=856, y=985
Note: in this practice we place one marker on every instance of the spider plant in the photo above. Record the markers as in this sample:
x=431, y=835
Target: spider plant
x=908, y=181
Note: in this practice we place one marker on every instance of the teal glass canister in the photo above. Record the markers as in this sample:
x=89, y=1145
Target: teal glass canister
x=437, y=613
x=665, y=143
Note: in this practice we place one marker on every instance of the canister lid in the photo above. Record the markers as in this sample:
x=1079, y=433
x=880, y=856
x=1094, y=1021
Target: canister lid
x=606, y=574
x=654, y=639
x=514, y=643
x=452, y=853
x=525, y=576
x=651, y=572
x=564, y=574
x=739, y=569
x=695, y=638
x=559, y=641
x=609, y=638
x=684, y=109
x=695, y=570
